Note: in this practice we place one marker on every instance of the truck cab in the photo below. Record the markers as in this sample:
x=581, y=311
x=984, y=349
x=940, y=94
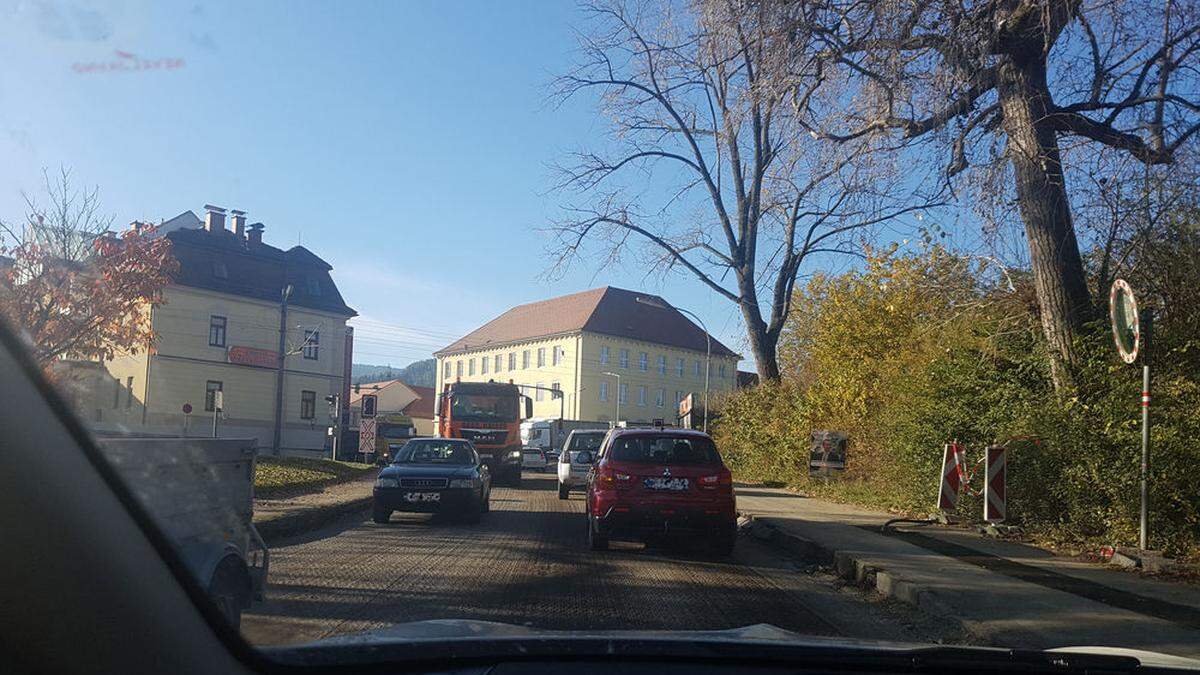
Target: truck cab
x=488, y=414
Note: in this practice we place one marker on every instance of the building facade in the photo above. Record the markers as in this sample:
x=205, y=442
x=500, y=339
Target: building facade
x=596, y=347
x=219, y=329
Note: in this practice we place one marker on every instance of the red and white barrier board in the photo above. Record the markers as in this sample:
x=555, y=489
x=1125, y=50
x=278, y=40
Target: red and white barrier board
x=952, y=475
x=995, y=506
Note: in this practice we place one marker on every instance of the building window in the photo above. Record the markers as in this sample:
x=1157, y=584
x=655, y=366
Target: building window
x=541, y=357
x=697, y=369
x=603, y=396
x=721, y=371
x=659, y=398
x=470, y=366
x=312, y=345
x=623, y=393
x=678, y=397
x=556, y=356
x=643, y=361
x=499, y=362
x=128, y=393
x=679, y=365
x=538, y=392
x=525, y=359
x=556, y=386
x=216, y=331
x=458, y=368
x=624, y=358
x=210, y=395
x=219, y=270
x=308, y=405
x=641, y=395
x=662, y=365
x=512, y=360
x=446, y=370
x=483, y=366
x=604, y=356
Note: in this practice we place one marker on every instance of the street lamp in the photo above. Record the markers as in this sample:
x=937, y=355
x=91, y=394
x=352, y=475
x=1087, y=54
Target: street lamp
x=618, y=396
x=655, y=302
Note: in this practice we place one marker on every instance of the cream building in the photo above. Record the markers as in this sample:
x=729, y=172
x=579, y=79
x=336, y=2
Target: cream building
x=218, y=329
x=569, y=343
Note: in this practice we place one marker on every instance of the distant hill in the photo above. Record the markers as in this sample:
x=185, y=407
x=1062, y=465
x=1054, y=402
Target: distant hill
x=418, y=373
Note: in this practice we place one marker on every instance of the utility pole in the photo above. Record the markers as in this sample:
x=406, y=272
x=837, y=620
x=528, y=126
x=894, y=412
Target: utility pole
x=283, y=309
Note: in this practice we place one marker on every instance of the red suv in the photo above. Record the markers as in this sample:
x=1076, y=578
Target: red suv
x=649, y=482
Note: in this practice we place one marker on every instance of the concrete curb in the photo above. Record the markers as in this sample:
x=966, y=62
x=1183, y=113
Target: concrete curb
x=850, y=566
x=309, y=519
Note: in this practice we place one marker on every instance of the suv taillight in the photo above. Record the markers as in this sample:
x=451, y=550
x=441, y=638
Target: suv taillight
x=721, y=481
x=607, y=477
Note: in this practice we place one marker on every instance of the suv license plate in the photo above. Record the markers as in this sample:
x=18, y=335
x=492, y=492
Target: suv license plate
x=422, y=496
x=666, y=483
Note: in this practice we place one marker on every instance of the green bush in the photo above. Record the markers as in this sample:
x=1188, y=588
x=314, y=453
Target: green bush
x=913, y=351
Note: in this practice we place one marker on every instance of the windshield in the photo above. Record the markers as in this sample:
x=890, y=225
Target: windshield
x=666, y=449
x=435, y=452
x=395, y=431
x=483, y=408
x=878, y=319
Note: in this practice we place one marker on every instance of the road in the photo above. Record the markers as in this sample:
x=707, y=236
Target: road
x=528, y=563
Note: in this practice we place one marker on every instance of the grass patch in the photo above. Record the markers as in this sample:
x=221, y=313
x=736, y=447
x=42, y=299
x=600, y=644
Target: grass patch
x=278, y=477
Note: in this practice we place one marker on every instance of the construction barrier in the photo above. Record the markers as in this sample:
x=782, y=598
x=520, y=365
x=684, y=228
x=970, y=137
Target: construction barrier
x=953, y=456
x=956, y=479
x=995, y=507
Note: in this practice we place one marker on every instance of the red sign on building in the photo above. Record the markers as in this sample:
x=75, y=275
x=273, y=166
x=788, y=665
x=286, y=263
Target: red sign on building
x=251, y=356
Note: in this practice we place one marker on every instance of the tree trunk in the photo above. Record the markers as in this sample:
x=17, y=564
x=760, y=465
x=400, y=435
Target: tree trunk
x=1058, y=273
x=762, y=343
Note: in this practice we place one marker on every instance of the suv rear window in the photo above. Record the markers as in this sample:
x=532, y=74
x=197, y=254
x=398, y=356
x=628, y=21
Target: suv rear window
x=586, y=441
x=665, y=449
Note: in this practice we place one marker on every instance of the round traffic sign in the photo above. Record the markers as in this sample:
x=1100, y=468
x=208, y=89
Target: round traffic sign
x=1123, y=310
x=187, y=408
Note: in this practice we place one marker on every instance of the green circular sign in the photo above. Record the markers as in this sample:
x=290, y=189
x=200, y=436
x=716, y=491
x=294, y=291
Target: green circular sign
x=1122, y=309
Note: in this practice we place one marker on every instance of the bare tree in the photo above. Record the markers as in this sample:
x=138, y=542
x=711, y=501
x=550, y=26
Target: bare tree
x=748, y=197
x=1119, y=73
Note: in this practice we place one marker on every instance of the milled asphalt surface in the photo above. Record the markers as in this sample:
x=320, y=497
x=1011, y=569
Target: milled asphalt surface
x=528, y=563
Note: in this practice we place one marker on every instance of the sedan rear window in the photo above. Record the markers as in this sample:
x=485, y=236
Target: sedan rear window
x=665, y=449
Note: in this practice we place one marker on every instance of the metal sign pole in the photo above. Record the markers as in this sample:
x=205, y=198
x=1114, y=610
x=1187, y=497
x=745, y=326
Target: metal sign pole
x=1147, y=330
x=1144, y=529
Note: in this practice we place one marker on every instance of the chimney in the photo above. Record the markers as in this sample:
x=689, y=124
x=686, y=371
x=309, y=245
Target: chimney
x=239, y=223
x=214, y=220
x=254, y=235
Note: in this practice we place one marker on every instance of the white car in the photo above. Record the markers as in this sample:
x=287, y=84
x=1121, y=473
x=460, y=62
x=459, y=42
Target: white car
x=534, y=458
x=572, y=474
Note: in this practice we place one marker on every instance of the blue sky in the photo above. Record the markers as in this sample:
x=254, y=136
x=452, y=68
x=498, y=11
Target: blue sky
x=407, y=143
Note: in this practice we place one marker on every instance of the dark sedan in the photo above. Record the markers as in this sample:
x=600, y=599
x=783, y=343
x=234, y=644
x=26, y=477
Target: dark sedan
x=434, y=475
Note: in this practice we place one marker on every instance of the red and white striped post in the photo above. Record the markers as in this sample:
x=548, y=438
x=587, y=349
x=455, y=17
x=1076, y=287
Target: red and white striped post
x=952, y=476
x=995, y=489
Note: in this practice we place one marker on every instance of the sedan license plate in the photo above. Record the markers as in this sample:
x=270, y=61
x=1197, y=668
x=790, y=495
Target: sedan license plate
x=675, y=484
x=484, y=455
x=422, y=497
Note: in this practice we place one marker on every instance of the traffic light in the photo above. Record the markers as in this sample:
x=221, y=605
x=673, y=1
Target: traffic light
x=332, y=400
x=368, y=405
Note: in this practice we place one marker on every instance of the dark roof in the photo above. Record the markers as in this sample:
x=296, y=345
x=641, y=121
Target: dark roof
x=258, y=271
x=422, y=407
x=746, y=378
x=607, y=310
